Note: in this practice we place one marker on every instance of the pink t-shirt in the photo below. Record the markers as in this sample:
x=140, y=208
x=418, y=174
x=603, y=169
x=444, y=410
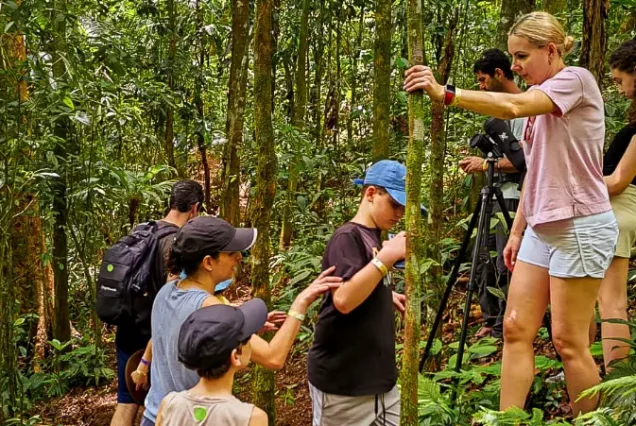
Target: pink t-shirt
x=564, y=151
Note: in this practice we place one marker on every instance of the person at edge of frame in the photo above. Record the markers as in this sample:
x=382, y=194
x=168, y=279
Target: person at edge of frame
x=564, y=233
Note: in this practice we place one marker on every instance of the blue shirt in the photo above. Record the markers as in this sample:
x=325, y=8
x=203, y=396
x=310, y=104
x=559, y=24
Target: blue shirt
x=171, y=307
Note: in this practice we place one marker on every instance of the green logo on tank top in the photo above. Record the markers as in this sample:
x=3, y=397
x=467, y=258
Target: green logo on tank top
x=110, y=267
x=200, y=413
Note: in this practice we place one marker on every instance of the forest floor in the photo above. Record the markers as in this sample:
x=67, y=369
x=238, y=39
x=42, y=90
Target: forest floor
x=94, y=406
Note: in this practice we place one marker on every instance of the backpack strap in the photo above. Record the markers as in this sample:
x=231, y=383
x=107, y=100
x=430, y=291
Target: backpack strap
x=167, y=230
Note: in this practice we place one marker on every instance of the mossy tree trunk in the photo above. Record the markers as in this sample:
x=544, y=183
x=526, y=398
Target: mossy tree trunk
x=433, y=231
x=300, y=107
x=382, y=81
x=230, y=174
x=261, y=205
x=414, y=236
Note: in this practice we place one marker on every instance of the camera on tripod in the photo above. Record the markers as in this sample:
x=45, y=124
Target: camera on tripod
x=498, y=141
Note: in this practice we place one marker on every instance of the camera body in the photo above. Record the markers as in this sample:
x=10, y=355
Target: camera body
x=498, y=141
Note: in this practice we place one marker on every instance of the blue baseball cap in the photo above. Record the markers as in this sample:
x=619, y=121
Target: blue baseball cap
x=389, y=175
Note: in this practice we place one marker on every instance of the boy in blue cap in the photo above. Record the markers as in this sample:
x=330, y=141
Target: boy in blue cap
x=351, y=364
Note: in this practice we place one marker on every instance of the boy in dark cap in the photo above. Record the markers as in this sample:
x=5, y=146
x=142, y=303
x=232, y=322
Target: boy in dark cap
x=215, y=342
x=351, y=364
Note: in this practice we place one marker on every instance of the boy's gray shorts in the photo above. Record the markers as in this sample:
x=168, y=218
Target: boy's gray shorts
x=339, y=410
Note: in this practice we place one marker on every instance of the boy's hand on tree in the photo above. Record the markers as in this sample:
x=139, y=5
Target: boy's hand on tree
x=398, y=301
x=393, y=249
x=420, y=77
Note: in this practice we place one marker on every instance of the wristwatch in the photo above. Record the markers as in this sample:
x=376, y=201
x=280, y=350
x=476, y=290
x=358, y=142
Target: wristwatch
x=449, y=94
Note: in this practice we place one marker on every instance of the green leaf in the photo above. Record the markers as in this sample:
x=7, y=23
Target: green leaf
x=497, y=292
x=68, y=102
x=480, y=351
x=300, y=277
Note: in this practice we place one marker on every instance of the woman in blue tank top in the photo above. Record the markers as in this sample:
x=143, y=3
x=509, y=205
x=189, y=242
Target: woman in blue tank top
x=208, y=249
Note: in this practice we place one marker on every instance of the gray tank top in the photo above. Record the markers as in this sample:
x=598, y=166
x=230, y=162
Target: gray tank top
x=183, y=408
x=171, y=307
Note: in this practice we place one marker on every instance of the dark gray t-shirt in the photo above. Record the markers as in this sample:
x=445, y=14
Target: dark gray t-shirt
x=354, y=354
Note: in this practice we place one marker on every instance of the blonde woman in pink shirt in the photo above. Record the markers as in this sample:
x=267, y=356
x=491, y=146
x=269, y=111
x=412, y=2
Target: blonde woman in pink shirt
x=570, y=230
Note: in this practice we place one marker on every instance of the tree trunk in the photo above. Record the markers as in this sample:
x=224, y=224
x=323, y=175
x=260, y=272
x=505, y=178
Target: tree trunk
x=316, y=100
x=198, y=102
x=382, y=81
x=172, y=49
x=265, y=184
x=355, y=53
x=433, y=231
x=61, y=323
x=300, y=107
x=24, y=276
x=510, y=11
x=594, y=43
x=230, y=207
x=414, y=236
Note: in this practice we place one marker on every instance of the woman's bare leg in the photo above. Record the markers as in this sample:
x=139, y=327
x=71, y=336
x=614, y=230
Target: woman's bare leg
x=573, y=301
x=612, y=300
x=528, y=298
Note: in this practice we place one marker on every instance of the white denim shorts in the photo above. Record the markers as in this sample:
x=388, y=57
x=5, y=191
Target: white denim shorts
x=572, y=248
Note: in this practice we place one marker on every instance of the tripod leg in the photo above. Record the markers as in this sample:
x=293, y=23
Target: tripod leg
x=450, y=283
x=484, y=221
x=504, y=208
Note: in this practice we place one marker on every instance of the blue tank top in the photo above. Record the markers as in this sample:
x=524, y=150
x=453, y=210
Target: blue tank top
x=171, y=307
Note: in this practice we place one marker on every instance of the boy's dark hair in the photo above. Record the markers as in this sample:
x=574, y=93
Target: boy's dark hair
x=624, y=59
x=185, y=194
x=490, y=60
x=218, y=371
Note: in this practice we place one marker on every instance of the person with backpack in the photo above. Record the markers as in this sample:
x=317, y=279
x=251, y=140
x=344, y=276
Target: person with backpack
x=133, y=272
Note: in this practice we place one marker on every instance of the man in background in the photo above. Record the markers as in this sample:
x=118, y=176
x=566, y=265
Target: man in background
x=493, y=73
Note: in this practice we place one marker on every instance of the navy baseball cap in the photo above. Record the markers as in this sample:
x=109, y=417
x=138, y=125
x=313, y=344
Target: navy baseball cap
x=209, y=234
x=209, y=335
x=389, y=175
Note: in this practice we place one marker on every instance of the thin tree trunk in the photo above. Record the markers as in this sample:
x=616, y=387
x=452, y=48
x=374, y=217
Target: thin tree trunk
x=433, y=229
x=382, y=81
x=354, y=75
x=231, y=178
x=172, y=50
x=61, y=323
x=594, y=43
x=510, y=11
x=316, y=99
x=265, y=184
x=415, y=156
x=198, y=101
x=300, y=107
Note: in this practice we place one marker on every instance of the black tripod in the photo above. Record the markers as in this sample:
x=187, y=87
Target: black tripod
x=482, y=213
